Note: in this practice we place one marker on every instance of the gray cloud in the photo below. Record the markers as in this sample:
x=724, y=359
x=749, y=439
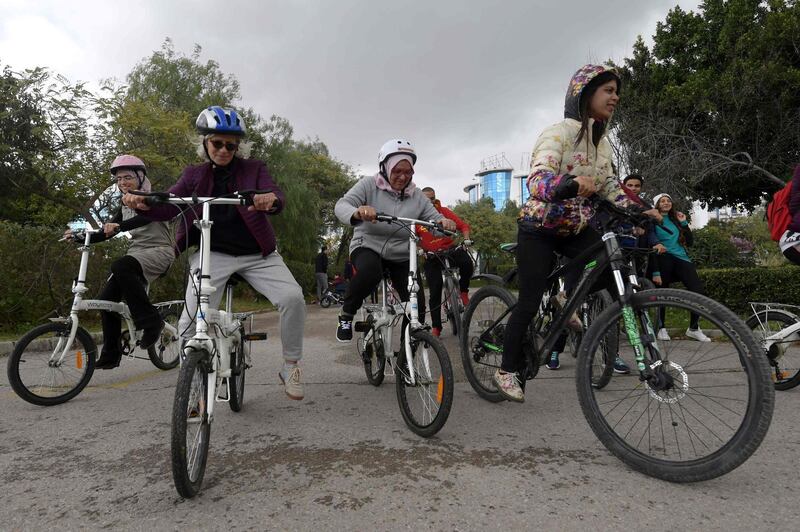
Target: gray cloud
x=462, y=80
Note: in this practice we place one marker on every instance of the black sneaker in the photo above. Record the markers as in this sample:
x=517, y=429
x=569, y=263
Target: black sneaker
x=344, y=332
x=151, y=335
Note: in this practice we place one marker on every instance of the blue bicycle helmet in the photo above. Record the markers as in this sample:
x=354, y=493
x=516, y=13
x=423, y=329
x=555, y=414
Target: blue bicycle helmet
x=215, y=119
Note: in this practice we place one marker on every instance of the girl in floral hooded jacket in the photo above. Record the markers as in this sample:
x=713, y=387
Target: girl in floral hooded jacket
x=574, y=149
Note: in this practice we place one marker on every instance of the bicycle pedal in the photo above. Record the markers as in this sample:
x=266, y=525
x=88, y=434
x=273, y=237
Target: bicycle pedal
x=361, y=326
x=254, y=337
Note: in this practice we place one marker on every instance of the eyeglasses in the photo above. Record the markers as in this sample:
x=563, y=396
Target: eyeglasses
x=230, y=146
x=126, y=177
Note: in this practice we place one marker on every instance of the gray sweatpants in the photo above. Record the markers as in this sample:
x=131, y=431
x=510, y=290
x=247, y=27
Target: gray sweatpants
x=267, y=275
x=322, y=284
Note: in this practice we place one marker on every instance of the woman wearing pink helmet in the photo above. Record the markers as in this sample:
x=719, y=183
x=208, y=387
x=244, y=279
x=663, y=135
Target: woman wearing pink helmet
x=149, y=256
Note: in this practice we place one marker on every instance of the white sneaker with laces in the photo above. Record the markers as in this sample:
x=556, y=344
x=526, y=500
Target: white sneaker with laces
x=508, y=386
x=663, y=335
x=290, y=377
x=697, y=334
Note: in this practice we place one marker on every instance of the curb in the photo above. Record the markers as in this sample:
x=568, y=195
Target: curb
x=7, y=346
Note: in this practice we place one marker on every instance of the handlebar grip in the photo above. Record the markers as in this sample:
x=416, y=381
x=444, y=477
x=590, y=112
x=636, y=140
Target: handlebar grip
x=566, y=189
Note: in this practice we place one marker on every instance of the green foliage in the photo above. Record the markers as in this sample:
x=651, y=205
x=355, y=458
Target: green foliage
x=489, y=229
x=735, y=287
x=711, y=111
x=713, y=249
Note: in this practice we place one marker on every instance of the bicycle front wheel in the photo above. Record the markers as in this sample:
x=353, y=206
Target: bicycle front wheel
x=603, y=362
x=238, y=370
x=481, y=358
x=783, y=354
x=426, y=403
x=191, y=426
x=45, y=371
x=165, y=353
x=708, y=404
x=454, y=303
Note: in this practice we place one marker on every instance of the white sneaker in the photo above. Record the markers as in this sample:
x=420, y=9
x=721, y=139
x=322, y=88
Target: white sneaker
x=508, y=386
x=290, y=377
x=663, y=335
x=697, y=334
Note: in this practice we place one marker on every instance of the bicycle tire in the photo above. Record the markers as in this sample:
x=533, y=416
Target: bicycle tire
x=434, y=388
x=777, y=352
x=374, y=358
x=236, y=381
x=189, y=463
x=754, y=402
x=604, y=366
x=325, y=302
x=64, y=382
x=479, y=375
x=166, y=352
x=454, y=312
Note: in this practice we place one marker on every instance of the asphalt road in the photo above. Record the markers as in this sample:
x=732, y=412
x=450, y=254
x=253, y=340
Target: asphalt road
x=343, y=458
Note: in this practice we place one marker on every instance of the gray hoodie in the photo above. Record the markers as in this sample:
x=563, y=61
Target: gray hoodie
x=383, y=238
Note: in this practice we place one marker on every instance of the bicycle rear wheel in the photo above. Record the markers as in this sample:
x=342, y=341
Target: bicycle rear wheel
x=454, y=311
x=709, y=406
x=426, y=404
x=191, y=427
x=482, y=359
x=38, y=373
x=165, y=353
x=783, y=354
x=373, y=354
x=238, y=370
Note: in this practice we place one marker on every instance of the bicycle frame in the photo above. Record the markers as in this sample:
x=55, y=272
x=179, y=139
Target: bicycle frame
x=79, y=304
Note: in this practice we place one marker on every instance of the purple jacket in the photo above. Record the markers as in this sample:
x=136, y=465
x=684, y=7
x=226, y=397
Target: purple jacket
x=199, y=180
x=794, y=201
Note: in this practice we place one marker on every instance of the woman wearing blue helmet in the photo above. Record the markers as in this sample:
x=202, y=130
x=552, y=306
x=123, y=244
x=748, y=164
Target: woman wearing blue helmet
x=242, y=239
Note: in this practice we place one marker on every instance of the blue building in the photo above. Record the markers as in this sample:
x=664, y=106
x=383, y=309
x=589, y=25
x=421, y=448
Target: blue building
x=496, y=181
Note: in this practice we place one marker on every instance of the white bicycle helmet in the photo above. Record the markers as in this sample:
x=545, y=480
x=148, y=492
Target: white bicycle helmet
x=393, y=147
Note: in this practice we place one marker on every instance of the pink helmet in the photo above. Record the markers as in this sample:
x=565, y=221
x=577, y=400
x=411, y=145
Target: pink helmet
x=128, y=161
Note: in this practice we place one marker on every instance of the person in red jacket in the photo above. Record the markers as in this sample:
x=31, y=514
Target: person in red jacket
x=432, y=241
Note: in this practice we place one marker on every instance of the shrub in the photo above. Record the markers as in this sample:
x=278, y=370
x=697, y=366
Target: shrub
x=735, y=287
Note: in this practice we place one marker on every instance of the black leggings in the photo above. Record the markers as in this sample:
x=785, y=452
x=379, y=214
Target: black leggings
x=535, y=257
x=369, y=268
x=433, y=273
x=126, y=282
x=673, y=270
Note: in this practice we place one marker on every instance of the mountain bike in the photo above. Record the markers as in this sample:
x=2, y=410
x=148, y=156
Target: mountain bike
x=693, y=410
x=53, y=363
x=422, y=369
x=213, y=362
x=777, y=327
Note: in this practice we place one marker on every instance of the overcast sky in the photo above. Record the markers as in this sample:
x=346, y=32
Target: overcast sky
x=462, y=80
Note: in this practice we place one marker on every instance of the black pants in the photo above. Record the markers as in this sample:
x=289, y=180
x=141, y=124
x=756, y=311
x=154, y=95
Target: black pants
x=369, y=268
x=126, y=282
x=433, y=273
x=674, y=270
x=535, y=257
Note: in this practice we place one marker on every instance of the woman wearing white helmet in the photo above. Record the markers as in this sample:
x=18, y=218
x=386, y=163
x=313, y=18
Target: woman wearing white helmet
x=376, y=247
x=149, y=256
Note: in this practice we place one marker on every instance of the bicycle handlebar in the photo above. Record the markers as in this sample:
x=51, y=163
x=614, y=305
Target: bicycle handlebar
x=241, y=197
x=388, y=218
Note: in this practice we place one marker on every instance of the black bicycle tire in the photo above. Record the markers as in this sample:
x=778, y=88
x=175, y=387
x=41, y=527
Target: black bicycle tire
x=491, y=395
x=753, y=427
x=14, y=379
x=455, y=304
x=446, y=382
x=609, y=353
x=186, y=486
x=325, y=302
x=237, y=380
x=376, y=377
x=155, y=350
x=754, y=321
